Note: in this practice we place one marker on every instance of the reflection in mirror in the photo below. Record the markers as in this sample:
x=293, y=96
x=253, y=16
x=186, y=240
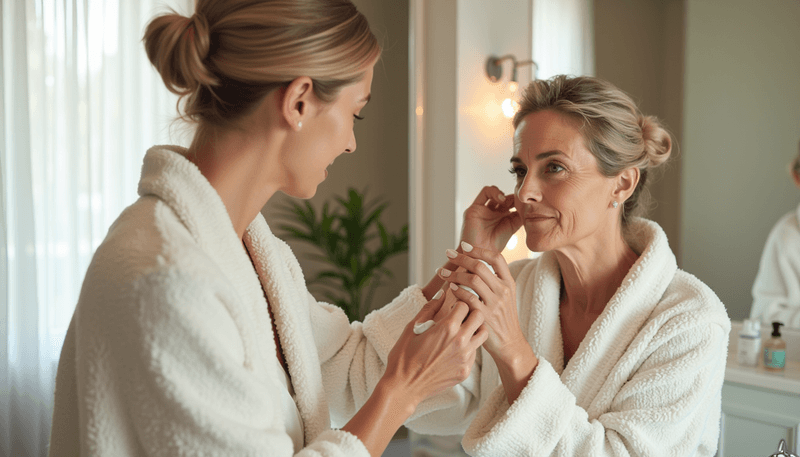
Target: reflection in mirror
x=776, y=290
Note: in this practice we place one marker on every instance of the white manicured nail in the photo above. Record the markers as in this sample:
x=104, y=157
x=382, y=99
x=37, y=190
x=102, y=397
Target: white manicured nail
x=466, y=246
x=451, y=253
x=444, y=272
x=453, y=286
x=437, y=295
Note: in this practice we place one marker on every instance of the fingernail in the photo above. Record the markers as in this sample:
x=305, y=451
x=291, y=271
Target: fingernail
x=451, y=253
x=444, y=272
x=453, y=286
x=466, y=246
x=501, y=197
x=437, y=295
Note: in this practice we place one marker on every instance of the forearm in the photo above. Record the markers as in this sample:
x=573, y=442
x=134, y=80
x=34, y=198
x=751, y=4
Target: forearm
x=516, y=366
x=380, y=417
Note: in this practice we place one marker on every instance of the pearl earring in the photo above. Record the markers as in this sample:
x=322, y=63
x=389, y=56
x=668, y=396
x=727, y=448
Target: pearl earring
x=614, y=204
x=300, y=124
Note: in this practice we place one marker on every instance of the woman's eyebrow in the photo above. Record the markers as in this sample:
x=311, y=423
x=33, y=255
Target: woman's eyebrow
x=540, y=156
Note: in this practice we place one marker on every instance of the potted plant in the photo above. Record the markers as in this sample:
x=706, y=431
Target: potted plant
x=352, y=242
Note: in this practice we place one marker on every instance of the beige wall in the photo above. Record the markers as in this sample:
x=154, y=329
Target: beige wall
x=639, y=48
x=741, y=127
x=380, y=162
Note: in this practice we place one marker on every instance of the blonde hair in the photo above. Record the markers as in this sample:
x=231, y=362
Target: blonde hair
x=224, y=59
x=616, y=132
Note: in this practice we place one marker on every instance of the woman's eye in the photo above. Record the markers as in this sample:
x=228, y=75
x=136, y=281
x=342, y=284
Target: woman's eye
x=519, y=172
x=554, y=168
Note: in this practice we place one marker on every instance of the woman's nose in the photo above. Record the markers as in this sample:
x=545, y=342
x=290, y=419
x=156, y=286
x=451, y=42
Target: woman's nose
x=530, y=190
x=351, y=145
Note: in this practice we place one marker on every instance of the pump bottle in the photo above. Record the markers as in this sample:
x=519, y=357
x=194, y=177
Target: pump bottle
x=775, y=350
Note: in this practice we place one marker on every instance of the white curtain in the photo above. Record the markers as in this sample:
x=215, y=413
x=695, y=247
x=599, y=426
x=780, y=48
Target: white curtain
x=563, y=37
x=80, y=105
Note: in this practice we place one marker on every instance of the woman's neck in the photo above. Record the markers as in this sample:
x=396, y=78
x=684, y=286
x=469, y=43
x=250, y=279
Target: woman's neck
x=592, y=271
x=237, y=165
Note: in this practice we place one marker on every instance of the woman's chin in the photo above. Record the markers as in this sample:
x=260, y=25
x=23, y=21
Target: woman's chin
x=538, y=243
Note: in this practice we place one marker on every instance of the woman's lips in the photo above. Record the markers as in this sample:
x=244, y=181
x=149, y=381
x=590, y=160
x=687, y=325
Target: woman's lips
x=536, y=218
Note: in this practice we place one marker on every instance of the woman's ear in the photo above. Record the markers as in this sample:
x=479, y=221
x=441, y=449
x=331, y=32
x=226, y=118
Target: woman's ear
x=625, y=184
x=298, y=98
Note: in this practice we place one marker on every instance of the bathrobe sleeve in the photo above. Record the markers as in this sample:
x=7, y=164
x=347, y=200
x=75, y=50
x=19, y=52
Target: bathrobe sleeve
x=776, y=289
x=662, y=409
x=353, y=357
x=182, y=379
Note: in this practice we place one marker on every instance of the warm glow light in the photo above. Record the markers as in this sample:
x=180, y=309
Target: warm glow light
x=509, y=107
x=516, y=249
x=512, y=242
x=419, y=111
x=513, y=86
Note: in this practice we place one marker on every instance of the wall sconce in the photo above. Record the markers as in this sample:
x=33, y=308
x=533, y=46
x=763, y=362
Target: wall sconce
x=494, y=71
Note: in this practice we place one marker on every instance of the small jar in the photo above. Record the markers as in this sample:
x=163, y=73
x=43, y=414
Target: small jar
x=749, y=345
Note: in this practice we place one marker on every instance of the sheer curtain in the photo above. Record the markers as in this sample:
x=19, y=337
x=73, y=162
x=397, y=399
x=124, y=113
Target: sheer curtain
x=80, y=106
x=563, y=37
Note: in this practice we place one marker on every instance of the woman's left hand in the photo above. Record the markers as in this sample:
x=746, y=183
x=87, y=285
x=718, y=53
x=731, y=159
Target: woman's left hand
x=496, y=299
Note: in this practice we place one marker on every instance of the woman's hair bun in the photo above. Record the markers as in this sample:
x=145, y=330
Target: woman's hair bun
x=177, y=47
x=657, y=141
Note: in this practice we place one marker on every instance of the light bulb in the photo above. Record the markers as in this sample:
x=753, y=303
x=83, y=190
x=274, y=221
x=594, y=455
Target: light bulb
x=509, y=107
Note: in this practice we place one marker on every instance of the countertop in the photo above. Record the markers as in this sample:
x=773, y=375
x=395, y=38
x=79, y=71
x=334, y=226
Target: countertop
x=787, y=381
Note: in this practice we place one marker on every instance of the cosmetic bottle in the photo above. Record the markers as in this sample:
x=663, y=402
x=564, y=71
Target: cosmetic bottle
x=775, y=350
x=749, y=345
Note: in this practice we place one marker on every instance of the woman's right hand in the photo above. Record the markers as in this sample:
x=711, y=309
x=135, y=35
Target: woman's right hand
x=489, y=222
x=440, y=357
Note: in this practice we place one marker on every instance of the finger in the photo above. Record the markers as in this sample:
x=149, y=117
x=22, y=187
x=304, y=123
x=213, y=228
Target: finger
x=493, y=258
x=472, y=299
x=457, y=314
x=473, y=322
x=430, y=309
x=478, y=273
x=487, y=194
x=480, y=336
x=447, y=303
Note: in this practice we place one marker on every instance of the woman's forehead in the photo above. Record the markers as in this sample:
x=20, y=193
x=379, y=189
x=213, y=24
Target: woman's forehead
x=542, y=134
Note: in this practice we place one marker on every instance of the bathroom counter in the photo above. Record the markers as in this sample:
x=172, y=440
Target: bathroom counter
x=787, y=380
x=760, y=407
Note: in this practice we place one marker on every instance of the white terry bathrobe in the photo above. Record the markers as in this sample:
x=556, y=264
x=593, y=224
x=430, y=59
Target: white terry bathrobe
x=776, y=289
x=170, y=351
x=645, y=381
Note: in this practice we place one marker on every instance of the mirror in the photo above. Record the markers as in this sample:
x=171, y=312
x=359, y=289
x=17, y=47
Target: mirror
x=723, y=75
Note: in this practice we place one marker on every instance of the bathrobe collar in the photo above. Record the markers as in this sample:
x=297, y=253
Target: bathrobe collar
x=618, y=324
x=169, y=176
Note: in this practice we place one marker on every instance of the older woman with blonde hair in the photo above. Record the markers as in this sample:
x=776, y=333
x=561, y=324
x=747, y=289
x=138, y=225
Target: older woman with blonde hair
x=194, y=333
x=601, y=346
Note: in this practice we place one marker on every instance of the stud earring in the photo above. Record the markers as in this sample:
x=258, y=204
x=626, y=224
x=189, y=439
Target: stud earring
x=614, y=204
x=300, y=124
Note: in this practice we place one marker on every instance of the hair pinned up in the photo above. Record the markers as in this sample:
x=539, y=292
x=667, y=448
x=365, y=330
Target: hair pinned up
x=226, y=57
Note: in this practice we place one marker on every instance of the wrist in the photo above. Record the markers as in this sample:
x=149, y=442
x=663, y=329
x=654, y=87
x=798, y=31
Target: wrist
x=397, y=396
x=515, y=357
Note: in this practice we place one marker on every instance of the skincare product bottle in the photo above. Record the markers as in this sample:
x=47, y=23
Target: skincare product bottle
x=749, y=346
x=775, y=350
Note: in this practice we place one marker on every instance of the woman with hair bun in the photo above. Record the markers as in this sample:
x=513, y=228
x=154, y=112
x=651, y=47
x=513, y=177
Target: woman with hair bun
x=194, y=333
x=601, y=346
